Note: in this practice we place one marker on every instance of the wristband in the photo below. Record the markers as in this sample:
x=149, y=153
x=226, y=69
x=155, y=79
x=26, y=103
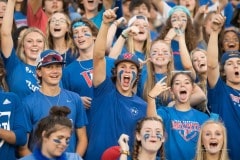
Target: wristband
x=124, y=36
x=151, y=96
x=125, y=152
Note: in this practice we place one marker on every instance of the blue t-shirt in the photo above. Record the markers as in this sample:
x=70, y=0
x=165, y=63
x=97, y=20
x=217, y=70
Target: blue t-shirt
x=77, y=77
x=182, y=131
x=20, y=19
x=38, y=105
x=21, y=77
x=227, y=105
x=111, y=115
x=11, y=118
x=69, y=156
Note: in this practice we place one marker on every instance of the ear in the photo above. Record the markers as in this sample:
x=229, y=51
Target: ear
x=38, y=72
x=138, y=137
x=43, y=134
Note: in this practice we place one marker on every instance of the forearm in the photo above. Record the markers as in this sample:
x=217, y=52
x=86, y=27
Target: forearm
x=111, y=34
x=151, y=107
x=100, y=43
x=82, y=146
x=7, y=136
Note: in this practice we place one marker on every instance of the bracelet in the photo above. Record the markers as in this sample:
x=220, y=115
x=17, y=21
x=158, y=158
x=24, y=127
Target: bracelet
x=124, y=36
x=125, y=152
x=151, y=96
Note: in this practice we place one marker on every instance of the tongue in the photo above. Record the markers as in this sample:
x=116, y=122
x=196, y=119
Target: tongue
x=126, y=82
x=183, y=96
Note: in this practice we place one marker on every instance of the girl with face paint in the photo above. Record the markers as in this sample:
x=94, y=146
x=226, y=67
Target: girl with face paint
x=182, y=122
x=212, y=141
x=179, y=32
x=134, y=39
x=53, y=133
x=224, y=81
x=148, y=143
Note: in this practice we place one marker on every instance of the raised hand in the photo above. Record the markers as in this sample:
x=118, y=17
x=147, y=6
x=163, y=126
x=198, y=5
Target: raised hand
x=109, y=15
x=159, y=87
x=123, y=142
x=218, y=21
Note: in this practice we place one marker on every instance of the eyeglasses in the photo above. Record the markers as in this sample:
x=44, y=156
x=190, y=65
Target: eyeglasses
x=59, y=21
x=60, y=141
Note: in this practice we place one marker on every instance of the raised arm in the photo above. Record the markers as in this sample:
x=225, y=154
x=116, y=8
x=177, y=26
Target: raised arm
x=6, y=35
x=118, y=46
x=99, y=62
x=159, y=87
x=112, y=31
x=212, y=50
x=35, y=5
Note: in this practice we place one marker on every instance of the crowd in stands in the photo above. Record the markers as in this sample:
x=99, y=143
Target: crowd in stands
x=120, y=79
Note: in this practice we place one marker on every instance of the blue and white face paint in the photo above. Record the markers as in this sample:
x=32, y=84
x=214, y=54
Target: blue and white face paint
x=133, y=76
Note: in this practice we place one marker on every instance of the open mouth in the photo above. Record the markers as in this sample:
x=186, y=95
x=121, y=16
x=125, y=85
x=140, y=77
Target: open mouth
x=236, y=73
x=57, y=29
x=126, y=79
x=90, y=1
x=231, y=45
x=213, y=144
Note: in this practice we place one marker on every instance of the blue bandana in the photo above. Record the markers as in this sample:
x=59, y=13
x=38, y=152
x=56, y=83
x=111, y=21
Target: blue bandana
x=78, y=24
x=179, y=8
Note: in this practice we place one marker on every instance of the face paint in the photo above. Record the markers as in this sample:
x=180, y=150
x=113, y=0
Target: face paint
x=159, y=136
x=88, y=35
x=146, y=136
x=58, y=141
x=120, y=75
x=134, y=75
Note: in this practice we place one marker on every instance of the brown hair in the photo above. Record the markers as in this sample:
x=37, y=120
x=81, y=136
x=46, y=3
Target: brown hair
x=137, y=144
x=56, y=120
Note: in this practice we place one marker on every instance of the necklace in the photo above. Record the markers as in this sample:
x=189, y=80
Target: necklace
x=86, y=69
x=53, y=98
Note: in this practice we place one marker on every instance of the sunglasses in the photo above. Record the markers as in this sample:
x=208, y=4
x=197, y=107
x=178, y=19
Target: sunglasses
x=52, y=57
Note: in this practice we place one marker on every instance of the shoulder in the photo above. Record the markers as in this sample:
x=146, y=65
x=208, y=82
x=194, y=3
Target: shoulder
x=28, y=157
x=74, y=156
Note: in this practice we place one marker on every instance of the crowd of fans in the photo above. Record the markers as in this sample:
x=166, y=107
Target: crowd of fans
x=120, y=79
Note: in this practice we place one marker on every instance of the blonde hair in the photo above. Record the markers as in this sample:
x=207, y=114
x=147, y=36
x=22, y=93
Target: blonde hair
x=150, y=82
x=202, y=83
x=68, y=34
x=201, y=152
x=20, y=48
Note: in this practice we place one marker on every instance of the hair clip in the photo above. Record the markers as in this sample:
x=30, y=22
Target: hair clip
x=214, y=117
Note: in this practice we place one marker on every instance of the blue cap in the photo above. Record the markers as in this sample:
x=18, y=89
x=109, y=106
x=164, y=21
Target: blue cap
x=228, y=55
x=48, y=57
x=179, y=8
x=127, y=57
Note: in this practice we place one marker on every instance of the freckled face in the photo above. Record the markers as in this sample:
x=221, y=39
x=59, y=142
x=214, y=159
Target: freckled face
x=151, y=135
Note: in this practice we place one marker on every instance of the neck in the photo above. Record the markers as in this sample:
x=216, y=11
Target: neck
x=182, y=106
x=143, y=155
x=86, y=54
x=160, y=69
x=138, y=46
x=233, y=85
x=31, y=62
x=60, y=45
x=90, y=14
x=212, y=156
x=17, y=6
x=50, y=90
